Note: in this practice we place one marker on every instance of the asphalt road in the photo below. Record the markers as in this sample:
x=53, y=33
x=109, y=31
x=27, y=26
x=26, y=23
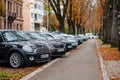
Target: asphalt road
x=81, y=64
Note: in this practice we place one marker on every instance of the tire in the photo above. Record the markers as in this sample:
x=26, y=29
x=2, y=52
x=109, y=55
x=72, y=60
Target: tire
x=16, y=60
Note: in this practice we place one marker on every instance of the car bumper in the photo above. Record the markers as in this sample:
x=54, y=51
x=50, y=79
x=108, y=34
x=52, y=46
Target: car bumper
x=38, y=58
x=58, y=52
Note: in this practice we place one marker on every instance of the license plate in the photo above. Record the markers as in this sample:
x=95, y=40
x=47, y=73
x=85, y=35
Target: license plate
x=60, y=50
x=44, y=56
x=69, y=46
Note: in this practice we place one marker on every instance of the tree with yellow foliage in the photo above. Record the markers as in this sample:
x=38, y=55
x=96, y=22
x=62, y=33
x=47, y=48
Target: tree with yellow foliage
x=2, y=8
x=53, y=24
x=60, y=8
x=78, y=14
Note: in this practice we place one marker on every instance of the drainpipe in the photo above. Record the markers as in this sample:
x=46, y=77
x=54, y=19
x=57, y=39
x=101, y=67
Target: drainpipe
x=6, y=14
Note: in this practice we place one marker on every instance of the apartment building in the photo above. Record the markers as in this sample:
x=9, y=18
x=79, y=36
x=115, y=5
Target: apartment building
x=26, y=15
x=15, y=16
x=36, y=13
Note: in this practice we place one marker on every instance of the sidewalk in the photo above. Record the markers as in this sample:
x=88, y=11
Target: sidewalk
x=111, y=62
x=80, y=64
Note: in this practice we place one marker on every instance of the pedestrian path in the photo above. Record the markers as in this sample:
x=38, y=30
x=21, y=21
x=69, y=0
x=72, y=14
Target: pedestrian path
x=113, y=68
x=80, y=64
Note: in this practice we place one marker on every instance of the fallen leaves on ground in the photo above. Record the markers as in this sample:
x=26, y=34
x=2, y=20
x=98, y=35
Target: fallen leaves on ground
x=109, y=53
x=115, y=79
x=7, y=73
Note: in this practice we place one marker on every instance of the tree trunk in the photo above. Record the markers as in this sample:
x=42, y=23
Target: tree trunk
x=114, y=34
x=78, y=29
x=69, y=26
x=73, y=27
x=61, y=25
x=118, y=7
x=1, y=22
x=107, y=22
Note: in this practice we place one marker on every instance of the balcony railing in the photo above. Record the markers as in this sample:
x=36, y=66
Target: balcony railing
x=11, y=17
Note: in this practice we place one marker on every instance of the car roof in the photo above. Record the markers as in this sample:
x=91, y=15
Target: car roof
x=7, y=30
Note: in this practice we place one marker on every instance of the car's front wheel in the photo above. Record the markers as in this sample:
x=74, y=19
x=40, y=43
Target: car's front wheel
x=15, y=60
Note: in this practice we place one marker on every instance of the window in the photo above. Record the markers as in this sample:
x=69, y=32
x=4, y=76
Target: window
x=17, y=27
x=20, y=12
x=1, y=40
x=14, y=27
x=17, y=10
x=39, y=7
x=35, y=5
x=35, y=16
x=13, y=36
x=31, y=15
x=10, y=7
x=39, y=16
x=20, y=26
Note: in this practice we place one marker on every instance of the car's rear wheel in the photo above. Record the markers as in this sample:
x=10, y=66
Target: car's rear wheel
x=15, y=60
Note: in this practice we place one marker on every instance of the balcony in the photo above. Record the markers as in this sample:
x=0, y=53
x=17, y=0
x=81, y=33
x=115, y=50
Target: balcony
x=11, y=17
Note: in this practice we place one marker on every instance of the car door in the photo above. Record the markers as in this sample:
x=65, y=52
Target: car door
x=2, y=48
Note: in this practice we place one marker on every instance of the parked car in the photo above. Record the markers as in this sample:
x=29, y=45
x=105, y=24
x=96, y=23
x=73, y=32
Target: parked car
x=59, y=47
x=56, y=48
x=71, y=39
x=67, y=42
x=80, y=40
x=85, y=38
x=34, y=36
x=55, y=37
x=17, y=50
x=91, y=36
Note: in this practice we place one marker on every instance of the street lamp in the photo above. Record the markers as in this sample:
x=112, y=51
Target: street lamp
x=6, y=14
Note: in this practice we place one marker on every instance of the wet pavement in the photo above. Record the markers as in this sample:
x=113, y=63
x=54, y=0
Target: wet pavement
x=81, y=64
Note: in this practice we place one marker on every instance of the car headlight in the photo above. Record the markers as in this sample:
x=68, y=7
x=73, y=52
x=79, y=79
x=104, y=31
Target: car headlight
x=27, y=48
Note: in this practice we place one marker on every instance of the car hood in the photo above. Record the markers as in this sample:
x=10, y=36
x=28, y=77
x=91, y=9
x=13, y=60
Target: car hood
x=55, y=42
x=71, y=40
x=33, y=44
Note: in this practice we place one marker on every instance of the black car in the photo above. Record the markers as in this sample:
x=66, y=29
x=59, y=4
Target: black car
x=18, y=50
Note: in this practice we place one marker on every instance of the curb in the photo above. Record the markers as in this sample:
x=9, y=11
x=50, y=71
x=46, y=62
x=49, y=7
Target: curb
x=102, y=66
x=39, y=70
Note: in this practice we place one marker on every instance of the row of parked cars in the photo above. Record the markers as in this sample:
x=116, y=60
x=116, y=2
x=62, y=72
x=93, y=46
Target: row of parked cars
x=20, y=48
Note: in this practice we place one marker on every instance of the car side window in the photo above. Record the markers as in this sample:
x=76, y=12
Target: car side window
x=1, y=40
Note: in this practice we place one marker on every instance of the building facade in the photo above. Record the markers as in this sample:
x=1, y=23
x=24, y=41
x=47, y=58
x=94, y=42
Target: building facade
x=26, y=15
x=15, y=16
x=36, y=13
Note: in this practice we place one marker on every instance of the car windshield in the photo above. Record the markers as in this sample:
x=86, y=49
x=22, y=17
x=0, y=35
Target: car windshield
x=67, y=37
x=59, y=37
x=14, y=36
x=37, y=36
x=48, y=37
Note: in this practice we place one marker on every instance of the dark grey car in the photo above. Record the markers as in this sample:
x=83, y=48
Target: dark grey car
x=17, y=50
